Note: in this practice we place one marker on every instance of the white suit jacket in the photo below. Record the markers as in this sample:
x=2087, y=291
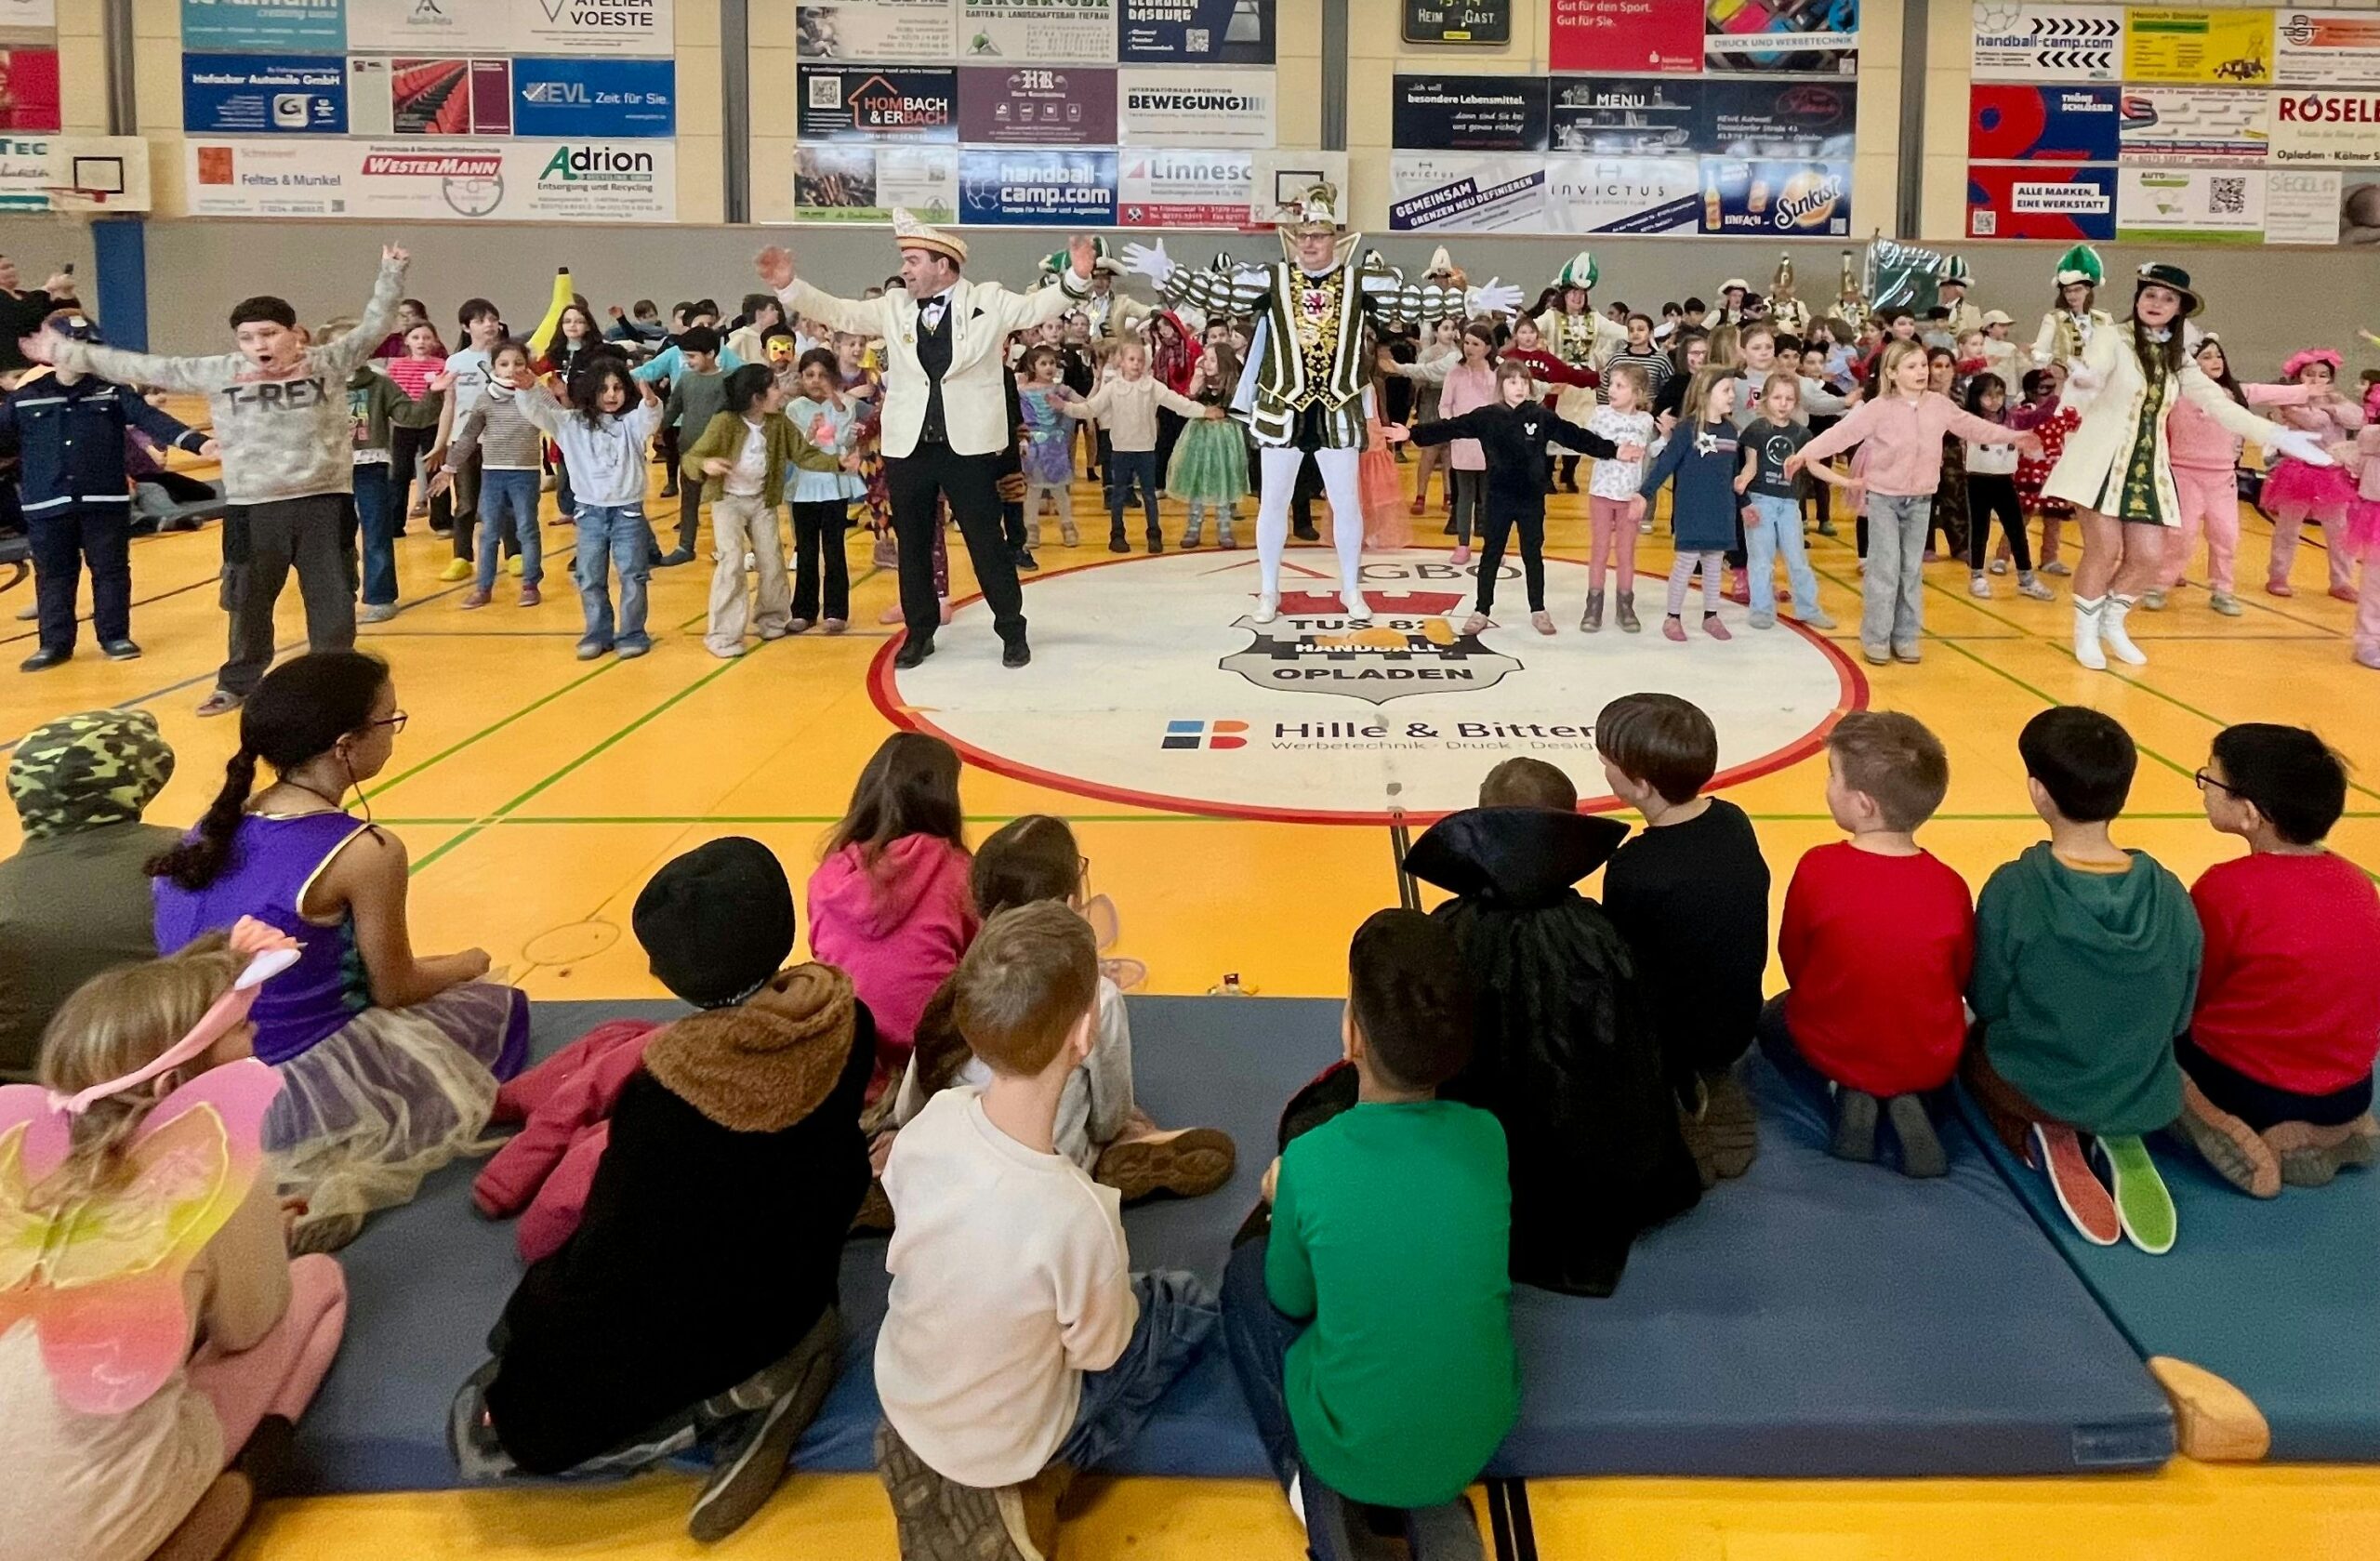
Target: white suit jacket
x=975, y=404
x=2096, y=450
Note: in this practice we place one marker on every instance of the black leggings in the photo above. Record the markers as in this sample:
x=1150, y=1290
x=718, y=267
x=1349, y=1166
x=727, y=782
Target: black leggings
x=1496, y=528
x=1991, y=494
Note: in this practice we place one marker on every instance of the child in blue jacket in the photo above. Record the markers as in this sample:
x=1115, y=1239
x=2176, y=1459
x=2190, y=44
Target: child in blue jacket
x=68, y=430
x=1701, y=456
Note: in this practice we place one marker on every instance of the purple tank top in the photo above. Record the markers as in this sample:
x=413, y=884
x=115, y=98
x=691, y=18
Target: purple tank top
x=272, y=862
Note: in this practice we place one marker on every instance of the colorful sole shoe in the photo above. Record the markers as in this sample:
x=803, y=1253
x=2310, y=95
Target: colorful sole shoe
x=2143, y=1206
x=2060, y=1156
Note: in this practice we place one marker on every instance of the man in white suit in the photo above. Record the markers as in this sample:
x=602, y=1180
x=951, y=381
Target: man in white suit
x=946, y=410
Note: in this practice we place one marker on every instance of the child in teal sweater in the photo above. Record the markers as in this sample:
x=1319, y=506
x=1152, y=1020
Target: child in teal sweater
x=2085, y=969
x=1370, y=1329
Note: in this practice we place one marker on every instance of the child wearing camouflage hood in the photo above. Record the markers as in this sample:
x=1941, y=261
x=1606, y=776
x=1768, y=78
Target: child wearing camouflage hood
x=74, y=900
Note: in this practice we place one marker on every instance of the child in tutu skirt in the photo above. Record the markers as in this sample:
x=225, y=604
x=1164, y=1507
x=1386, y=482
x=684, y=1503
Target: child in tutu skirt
x=1387, y=524
x=1049, y=446
x=2296, y=493
x=1210, y=468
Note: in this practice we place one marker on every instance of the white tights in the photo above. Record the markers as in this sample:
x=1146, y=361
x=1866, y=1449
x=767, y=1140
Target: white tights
x=1280, y=464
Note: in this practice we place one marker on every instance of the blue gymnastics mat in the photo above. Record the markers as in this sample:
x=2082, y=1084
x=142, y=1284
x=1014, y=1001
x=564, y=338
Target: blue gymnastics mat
x=1811, y=1319
x=2279, y=1298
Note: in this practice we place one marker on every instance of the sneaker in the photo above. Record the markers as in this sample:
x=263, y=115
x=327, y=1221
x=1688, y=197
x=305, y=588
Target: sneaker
x=1817, y=618
x=1591, y=620
x=1541, y=622
x=457, y=570
x=474, y=597
x=2310, y=1157
x=1921, y=1146
x=1714, y=628
x=2237, y=1151
x=1027, y=562
x=629, y=650
x=940, y=1517
x=837, y=626
x=1461, y=556
x=222, y=702
x=120, y=650
x=1978, y=584
x=590, y=649
x=2143, y=1206
x=1476, y=624
x=2226, y=603
x=1187, y=1163
x=1157, y=543
x=2000, y=567
x=1909, y=656
x=375, y=612
x=751, y=1462
x=2056, y=566
x=2058, y=1154
x=1192, y=533
x=1068, y=536
x=1117, y=544
x=674, y=558
x=1854, y=1125
x=2030, y=587
x=1224, y=539
x=1825, y=528
x=1877, y=655
x=2153, y=600
x=1762, y=620
x=1672, y=630
x=1722, y=1131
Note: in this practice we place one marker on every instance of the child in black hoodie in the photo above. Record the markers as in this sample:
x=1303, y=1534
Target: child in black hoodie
x=1567, y=1056
x=1513, y=436
x=696, y=1301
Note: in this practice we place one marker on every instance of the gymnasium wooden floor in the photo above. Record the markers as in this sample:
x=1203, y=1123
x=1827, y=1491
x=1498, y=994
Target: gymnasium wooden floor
x=538, y=793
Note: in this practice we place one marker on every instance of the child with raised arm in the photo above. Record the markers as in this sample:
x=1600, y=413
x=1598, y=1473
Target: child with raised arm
x=602, y=431
x=496, y=439
x=1902, y=424
x=279, y=413
x=1514, y=434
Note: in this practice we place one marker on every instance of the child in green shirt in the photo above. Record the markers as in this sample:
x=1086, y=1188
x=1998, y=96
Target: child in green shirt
x=1371, y=1329
x=2086, y=963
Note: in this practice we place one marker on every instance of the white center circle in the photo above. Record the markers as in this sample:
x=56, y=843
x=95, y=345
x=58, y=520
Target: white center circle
x=1152, y=685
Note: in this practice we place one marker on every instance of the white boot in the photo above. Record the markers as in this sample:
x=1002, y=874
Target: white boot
x=1358, y=610
x=1268, y=607
x=2112, y=618
x=2086, y=634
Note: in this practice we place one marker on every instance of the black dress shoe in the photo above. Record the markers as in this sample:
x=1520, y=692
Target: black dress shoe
x=1307, y=534
x=121, y=650
x=44, y=659
x=913, y=653
x=1016, y=653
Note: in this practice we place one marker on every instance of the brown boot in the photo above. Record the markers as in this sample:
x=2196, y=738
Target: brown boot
x=1187, y=1163
x=2236, y=1151
x=2311, y=1155
x=1723, y=1132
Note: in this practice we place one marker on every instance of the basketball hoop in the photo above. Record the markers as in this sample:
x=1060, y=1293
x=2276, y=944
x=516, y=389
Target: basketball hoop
x=100, y=175
x=76, y=198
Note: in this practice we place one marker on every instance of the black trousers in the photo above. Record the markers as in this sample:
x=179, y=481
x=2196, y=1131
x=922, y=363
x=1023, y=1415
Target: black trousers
x=62, y=541
x=818, y=528
x=1993, y=493
x=1506, y=510
x=971, y=485
x=261, y=544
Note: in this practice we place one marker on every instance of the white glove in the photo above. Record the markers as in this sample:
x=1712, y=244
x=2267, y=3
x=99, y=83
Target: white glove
x=2302, y=446
x=2081, y=376
x=1494, y=297
x=1151, y=262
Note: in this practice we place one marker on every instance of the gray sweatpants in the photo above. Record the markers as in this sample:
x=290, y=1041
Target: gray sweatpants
x=261, y=543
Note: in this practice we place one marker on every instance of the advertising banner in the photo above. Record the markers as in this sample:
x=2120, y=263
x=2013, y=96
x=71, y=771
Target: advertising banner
x=1819, y=38
x=1622, y=195
x=1182, y=188
x=2360, y=210
x=1077, y=31
x=577, y=181
x=28, y=16
x=1625, y=36
x=2326, y=128
x=887, y=32
x=549, y=27
x=1037, y=105
x=1457, y=21
x=864, y=183
x=1205, y=107
x=2204, y=204
x=27, y=173
x=1627, y=116
x=1016, y=187
x=2043, y=123
x=262, y=94
x=28, y=89
x=1776, y=199
x=597, y=97
x=2203, y=48
x=2326, y=48
x=2302, y=207
x=1435, y=192
x=858, y=104
x=2046, y=42
x=2040, y=201
x=1470, y=114
x=1276, y=179
x=1758, y=117
x=265, y=26
x=2196, y=124
x=1195, y=32
x=429, y=96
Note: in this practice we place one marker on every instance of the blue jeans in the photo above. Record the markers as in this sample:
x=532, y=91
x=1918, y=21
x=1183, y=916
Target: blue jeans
x=376, y=514
x=1776, y=530
x=614, y=536
x=1177, y=1313
x=1130, y=471
x=509, y=497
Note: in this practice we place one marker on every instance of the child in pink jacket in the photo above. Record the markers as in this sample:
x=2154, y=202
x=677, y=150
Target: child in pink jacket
x=1902, y=428
x=890, y=904
x=2206, y=478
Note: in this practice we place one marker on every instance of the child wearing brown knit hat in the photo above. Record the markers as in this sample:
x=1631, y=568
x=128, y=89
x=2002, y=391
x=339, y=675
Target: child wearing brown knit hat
x=696, y=1301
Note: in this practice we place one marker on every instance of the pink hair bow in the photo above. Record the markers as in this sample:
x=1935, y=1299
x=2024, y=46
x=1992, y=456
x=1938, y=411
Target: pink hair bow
x=269, y=952
x=2298, y=361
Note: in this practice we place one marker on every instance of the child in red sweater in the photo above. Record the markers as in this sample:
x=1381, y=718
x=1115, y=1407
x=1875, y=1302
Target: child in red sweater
x=1878, y=941
x=2277, y=1063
